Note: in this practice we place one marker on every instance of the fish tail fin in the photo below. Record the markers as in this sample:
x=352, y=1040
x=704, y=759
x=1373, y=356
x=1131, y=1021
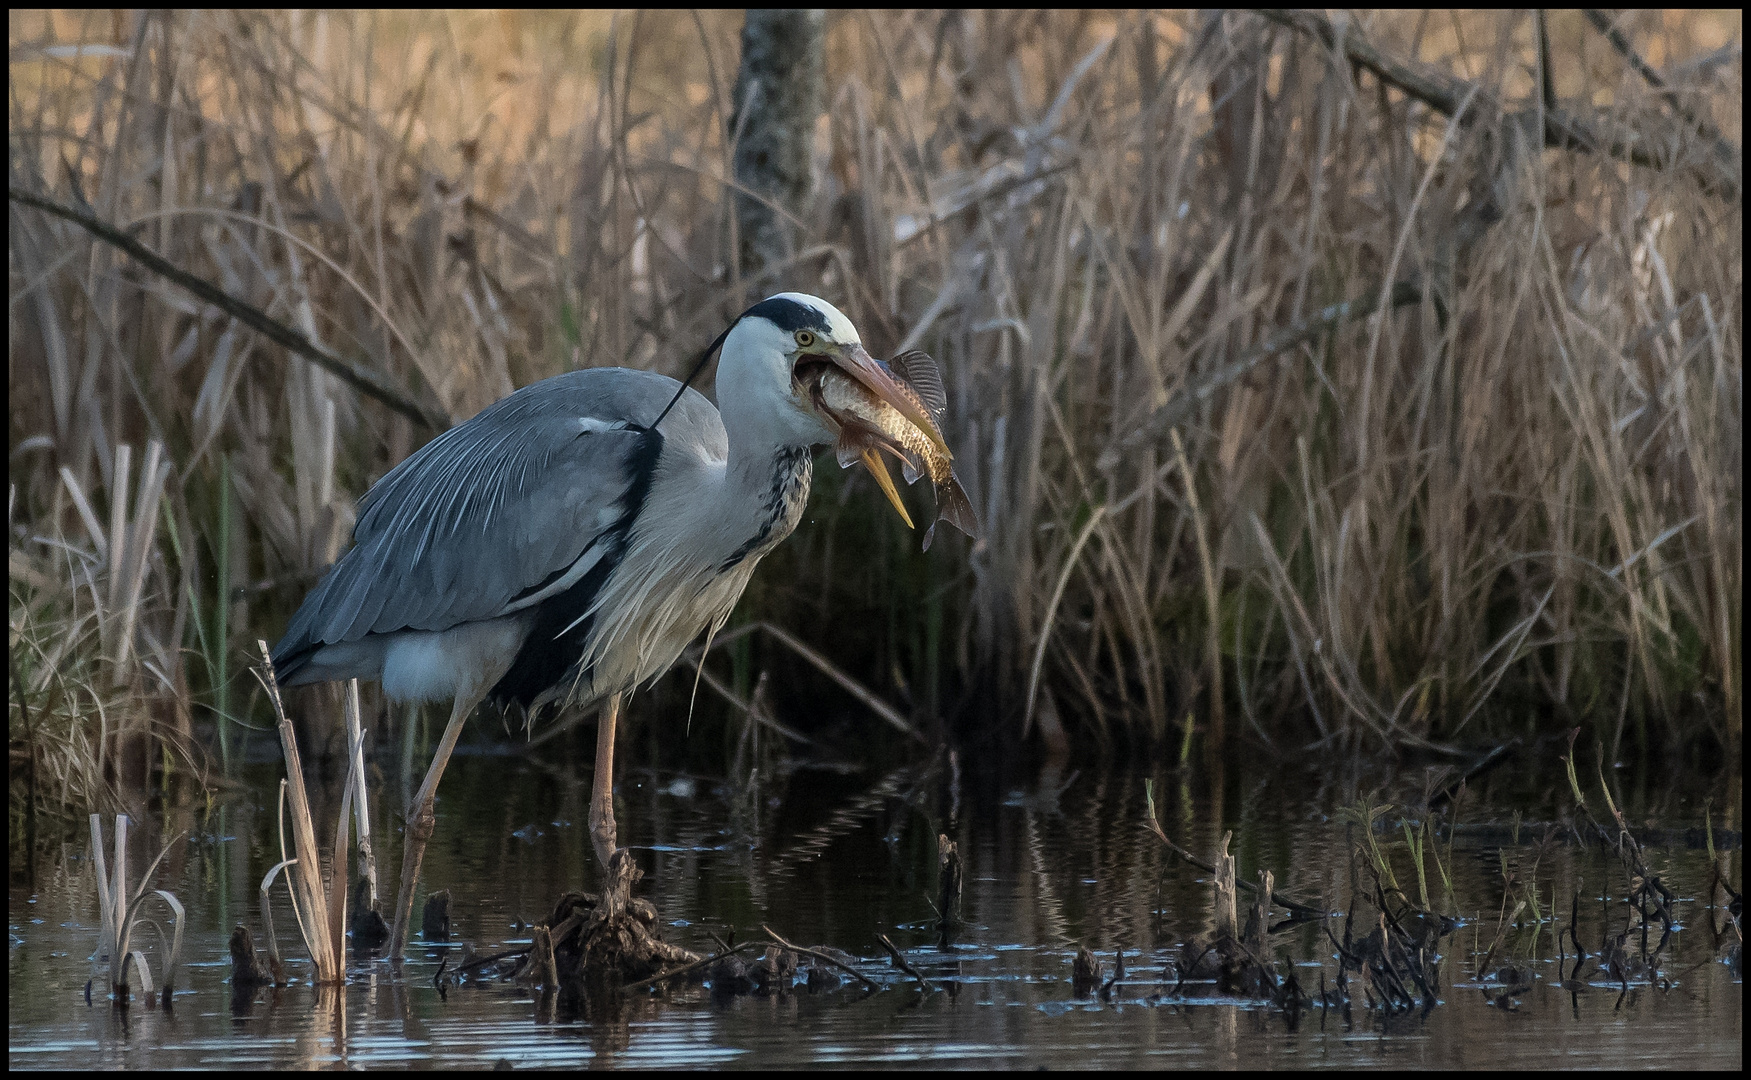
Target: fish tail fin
x=953, y=506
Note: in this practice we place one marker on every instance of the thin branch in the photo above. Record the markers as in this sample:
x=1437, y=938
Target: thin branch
x=757, y=715
x=900, y=962
x=852, y=686
x=1546, y=80
x=367, y=381
x=1608, y=27
x=1176, y=411
x=1276, y=897
x=827, y=667
x=1444, y=93
x=821, y=956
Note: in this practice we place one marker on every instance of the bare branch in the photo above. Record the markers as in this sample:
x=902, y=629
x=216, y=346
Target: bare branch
x=367, y=381
x=1443, y=93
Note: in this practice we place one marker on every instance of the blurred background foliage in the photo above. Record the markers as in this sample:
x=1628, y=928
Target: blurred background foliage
x=1501, y=493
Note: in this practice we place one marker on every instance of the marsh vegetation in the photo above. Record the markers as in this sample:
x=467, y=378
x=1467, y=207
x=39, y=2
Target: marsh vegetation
x=1371, y=385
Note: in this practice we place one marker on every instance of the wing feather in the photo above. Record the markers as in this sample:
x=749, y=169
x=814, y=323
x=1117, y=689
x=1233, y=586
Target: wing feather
x=472, y=525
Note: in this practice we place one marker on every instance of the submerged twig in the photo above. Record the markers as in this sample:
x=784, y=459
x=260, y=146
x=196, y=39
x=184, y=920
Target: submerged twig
x=684, y=969
x=900, y=962
x=821, y=956
x=1305, y=910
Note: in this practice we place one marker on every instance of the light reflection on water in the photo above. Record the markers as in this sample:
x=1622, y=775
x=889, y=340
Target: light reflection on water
x=837, y=859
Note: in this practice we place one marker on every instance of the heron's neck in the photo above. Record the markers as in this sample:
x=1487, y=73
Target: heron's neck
x=763, y=441
x=752, y=462
x=767, y=475
x=767, y=487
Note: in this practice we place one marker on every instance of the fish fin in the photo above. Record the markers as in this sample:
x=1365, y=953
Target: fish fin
x=933, y=408
x=856, y=438
x=953, y=506
x=909, y=463
x=929, y=535
x=921, y=373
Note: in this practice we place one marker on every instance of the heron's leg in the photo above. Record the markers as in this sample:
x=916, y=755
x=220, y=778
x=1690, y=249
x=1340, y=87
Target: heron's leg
x=421, y=819
x=602, y=832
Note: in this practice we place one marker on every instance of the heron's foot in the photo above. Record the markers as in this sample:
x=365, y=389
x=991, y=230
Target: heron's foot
x=623, y=873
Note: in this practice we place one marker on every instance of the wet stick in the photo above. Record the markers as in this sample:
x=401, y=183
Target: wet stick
x=725, y=952
x=542, y=969
x=900, y=962
x=1085, y=972
x=868, y=983
x=1227, y=925
x=948, y=902
x=616, y=942
x=247, y=972
x=1258, y=924
x=435, y=919
x=1306, y=911
x=1111, y=986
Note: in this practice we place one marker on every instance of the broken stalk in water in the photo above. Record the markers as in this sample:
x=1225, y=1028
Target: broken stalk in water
x=324, y=931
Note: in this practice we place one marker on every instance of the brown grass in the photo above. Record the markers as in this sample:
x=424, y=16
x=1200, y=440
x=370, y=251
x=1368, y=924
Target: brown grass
x=1520, y=494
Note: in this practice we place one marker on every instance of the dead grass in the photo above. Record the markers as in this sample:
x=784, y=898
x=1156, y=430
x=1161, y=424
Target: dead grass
x=1518, y=488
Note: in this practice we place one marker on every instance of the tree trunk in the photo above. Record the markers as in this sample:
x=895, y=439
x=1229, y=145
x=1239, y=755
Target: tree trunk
x=777, y=99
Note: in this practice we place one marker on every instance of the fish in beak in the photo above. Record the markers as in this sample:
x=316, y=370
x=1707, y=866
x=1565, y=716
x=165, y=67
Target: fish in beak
x=865, y=425
x=896, y=409
x=880, y=380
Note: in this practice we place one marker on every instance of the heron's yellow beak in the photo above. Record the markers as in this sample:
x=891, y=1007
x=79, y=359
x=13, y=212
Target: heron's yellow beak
x=884, y=480
x=875, y=376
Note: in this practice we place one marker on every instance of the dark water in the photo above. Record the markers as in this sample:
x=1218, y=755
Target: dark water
x=1053, y=861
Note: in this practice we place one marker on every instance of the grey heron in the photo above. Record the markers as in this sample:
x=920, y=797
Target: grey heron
x=572, y=538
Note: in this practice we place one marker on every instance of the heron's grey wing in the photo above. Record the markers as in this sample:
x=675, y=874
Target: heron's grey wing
x=484, y=518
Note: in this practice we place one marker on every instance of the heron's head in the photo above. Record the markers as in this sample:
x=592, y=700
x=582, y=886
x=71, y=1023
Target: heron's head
x=773, y=354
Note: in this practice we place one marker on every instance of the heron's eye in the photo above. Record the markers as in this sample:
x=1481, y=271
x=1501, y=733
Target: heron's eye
x=804, y=339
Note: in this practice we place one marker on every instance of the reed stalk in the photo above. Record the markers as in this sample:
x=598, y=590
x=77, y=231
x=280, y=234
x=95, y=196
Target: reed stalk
x=121, y=910
x=320, y=907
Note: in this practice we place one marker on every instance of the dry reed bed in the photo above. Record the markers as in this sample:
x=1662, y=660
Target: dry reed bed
x=1206, y=500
